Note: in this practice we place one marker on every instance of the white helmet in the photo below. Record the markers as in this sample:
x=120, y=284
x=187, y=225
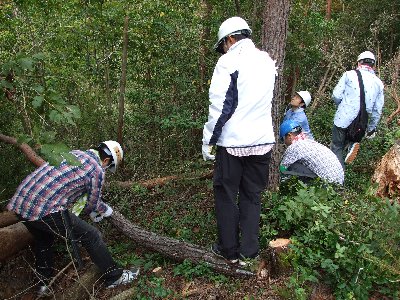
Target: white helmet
x=114, y=149
x=231, y=26
x=366, y=55
x=305, y=95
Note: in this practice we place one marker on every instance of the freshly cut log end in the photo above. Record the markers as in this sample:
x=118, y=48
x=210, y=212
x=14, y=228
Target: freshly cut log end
x=387, y=174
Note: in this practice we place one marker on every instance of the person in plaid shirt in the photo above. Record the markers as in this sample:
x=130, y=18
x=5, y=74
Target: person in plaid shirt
x=42, y=201
x=307, y=158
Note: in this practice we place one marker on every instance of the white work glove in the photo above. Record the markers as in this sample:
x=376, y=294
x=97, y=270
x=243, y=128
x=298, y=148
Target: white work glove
x=207, y=149
x=97, y=217
x=370, y=134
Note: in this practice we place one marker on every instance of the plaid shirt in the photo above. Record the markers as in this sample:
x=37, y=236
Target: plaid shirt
x=247, y=151
x=317, y=157
x=51, y=189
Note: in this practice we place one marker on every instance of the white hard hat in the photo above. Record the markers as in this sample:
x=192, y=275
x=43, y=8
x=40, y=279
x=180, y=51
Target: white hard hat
x=305, y=95
x=366, y=55
x=114, y=149
x=231, y=26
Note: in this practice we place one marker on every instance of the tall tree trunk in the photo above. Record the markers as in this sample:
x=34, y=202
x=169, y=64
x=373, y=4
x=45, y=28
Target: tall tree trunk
x=276, y=15
x=123, y=83
x=204, y=36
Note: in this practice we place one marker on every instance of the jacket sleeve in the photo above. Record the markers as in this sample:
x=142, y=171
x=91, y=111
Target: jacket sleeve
x=94, y=186
x=220, y=83
x=338, y=91
x=376, y=110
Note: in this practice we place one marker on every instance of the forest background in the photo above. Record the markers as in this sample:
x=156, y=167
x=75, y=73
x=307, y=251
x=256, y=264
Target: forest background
x=68, y=84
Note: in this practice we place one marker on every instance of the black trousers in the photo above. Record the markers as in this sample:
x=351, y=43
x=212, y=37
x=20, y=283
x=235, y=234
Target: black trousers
x=51, y=226
x=238, y=184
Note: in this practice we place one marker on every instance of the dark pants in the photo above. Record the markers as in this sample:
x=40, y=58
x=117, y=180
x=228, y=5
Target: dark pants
x=51, y=226
x=339, y=142
x=245, y=177
x=301, y=171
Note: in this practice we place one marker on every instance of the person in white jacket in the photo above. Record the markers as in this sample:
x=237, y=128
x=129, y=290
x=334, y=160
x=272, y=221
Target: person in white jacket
x=240, y=130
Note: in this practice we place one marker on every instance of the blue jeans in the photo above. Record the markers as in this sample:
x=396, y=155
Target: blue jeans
x=51, y=226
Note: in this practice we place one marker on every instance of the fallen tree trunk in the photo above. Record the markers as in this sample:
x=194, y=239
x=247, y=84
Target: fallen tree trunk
x=8, y=218
x=152, y=183
x=13, y=239
x=175, y=249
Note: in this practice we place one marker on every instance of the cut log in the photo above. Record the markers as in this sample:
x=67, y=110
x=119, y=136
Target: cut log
x=152, y=183
x=387, y=174
x=175, y=249
x=13, y=239
x=8, y=218
x=277, y=251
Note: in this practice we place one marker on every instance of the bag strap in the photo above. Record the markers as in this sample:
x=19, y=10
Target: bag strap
x=362, y=93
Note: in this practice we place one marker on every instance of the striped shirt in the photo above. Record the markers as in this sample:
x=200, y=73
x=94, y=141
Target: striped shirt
x=51, y=189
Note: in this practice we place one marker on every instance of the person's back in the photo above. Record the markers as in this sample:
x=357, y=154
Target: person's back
x=347, y=96
x=317, y=157
x=246, y=75
x=52, y=188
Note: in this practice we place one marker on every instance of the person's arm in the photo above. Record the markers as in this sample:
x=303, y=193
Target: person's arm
x=376, y=111
x=338, y=91
x=220, y=107
x=94, y=184
x=290, y=156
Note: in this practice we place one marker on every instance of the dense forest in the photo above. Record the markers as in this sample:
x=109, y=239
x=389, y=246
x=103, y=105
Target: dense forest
x=75, y=73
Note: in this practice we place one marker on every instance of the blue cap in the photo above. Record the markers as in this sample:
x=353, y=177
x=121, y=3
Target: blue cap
x=288, y=126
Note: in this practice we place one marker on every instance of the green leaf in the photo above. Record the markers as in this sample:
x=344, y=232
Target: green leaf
x=26, y=63
x=39, y=56
x=37, y=101
x=38, y=88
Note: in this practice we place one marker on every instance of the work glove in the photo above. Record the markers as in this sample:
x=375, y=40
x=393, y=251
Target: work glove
x=370, y=134
x=207, y=150
x=97, y=217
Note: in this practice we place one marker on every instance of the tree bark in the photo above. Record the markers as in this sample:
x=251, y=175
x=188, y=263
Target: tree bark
x=25, y=148
x=8, y=218
x=276, y=15
x=175, y=249
x=13, y=239
x=123, y=83
x=277, y=251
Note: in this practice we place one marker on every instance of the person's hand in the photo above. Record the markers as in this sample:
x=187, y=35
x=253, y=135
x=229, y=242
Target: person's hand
x=97, y=217
x=207, y=149
x=370, y=134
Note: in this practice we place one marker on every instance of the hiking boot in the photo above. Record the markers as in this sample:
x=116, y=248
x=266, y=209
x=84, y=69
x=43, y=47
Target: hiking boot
x=126, y=277
x=351, y=155
x=217, y=252
x=248, y=261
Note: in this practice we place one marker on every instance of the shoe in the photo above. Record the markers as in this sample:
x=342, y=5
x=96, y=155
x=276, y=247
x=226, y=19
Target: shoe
x=126, y=277
x=43, y=291
x=217, y=252
x=248, y=261
x=351, y=156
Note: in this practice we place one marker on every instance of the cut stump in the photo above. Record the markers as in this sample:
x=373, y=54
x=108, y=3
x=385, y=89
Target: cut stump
x=278, y=251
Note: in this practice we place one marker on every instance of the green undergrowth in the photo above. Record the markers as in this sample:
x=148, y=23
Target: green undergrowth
x=349, y=241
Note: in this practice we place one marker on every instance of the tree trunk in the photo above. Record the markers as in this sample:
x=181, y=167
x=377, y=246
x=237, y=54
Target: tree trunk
x=13, y=239
x=175, y=249
x=387, y=174
x=276, y=15
x=25, y=148
x=8, y=218
x=123, y=83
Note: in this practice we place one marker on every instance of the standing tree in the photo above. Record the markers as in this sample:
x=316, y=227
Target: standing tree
x=276, y=15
